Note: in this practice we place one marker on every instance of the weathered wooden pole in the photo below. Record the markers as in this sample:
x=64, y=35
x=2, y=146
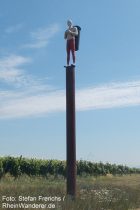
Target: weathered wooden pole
x=71, y=131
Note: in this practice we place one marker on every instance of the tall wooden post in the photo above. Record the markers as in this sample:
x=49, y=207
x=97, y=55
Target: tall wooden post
x=71, y=131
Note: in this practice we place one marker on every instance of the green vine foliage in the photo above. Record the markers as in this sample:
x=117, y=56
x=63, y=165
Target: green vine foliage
x=17, y=166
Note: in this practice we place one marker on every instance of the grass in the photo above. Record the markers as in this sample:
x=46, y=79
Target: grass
x=101, y=193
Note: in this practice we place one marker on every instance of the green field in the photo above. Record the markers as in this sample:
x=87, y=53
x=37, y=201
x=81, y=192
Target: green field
x=100, y=193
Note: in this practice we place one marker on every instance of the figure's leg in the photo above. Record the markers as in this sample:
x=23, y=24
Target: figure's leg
x=68, y=52
x=73, y=50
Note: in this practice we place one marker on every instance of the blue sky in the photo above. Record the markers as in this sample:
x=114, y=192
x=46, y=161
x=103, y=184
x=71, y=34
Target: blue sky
x=32, y=79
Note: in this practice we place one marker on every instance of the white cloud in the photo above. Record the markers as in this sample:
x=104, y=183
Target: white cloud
x=26, y=104
x=42, y=36
x=25, y=90
x=12, y=73
x=10, y=70
x=12, y=61
x=109, y=96
x=14, y=28
x=31, y=97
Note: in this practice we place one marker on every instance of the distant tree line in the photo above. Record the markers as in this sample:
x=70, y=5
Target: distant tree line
x=17, y=166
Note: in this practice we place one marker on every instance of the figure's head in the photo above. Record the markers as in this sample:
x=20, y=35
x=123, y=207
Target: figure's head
x=69, y=23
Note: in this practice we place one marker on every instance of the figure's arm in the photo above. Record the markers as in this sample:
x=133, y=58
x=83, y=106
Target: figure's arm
x=65, y=35
x=74, y=32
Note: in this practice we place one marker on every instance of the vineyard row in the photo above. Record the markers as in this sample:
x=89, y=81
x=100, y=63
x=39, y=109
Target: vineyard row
x=17, y=166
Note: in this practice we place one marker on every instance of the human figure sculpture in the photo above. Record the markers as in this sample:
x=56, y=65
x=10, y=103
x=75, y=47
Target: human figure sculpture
x=69, y=35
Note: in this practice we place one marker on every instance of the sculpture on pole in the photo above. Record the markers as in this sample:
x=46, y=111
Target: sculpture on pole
x=72, y=35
